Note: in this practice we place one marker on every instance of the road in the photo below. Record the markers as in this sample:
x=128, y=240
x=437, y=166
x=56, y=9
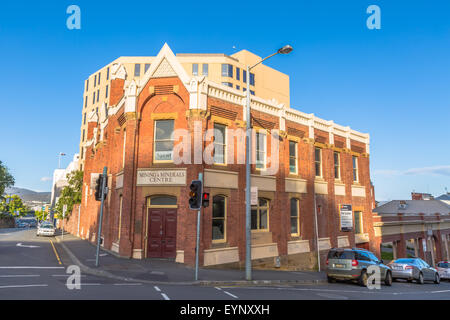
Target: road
x=35, y=268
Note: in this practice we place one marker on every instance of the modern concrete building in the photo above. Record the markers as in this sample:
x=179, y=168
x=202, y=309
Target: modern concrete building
x=60, y=179
x=159, y=131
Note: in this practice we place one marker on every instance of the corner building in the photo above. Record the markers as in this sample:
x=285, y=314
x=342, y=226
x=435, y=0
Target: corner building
x=322, y=165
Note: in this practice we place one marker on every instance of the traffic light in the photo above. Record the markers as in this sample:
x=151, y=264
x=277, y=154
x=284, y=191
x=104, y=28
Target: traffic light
x=205, y=200
x=195, y=195
x=98, y=188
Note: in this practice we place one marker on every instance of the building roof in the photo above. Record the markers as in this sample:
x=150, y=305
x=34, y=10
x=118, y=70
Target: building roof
x=445, y=196
x=414, y=207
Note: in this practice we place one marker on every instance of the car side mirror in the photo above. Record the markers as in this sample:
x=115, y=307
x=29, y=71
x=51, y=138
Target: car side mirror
x=381, y=261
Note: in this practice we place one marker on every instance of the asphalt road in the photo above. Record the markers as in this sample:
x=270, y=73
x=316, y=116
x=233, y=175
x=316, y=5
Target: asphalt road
x=35, y=268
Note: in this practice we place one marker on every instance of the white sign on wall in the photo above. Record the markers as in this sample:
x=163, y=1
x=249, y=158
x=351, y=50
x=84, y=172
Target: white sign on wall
x=254, y=196
x=346, y=214
x=161, y=177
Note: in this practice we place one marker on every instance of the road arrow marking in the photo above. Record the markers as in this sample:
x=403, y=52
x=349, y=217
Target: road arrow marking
x=25, y=246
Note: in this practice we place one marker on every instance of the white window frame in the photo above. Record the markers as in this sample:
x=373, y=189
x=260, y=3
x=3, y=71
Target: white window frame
x=355, y=168
x=320, y=163
x=295, y=157
x=224, y=144
x=154, y=142
x=264, y=151
x=361, y=224
x=338, y=165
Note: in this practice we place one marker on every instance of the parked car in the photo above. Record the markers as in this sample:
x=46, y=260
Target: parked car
x=45, y=229
x=443, y=268
x=352, y=264
x=414, y=269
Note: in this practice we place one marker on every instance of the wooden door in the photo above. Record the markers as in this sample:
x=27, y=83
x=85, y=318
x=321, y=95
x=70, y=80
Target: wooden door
x=162, y=232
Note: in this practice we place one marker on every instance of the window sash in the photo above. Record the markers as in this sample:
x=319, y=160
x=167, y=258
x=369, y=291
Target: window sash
x=219, y=211
x=260, y=215
x=318, y=162
x=195, y=69
x=355, y=169
x=293, y=157
x=137, y=69
x=205, y=69
x=358, y=222
x=260, y=150
x=163, y=141
x=220, y=143
x=337, y=165
x=295, y=216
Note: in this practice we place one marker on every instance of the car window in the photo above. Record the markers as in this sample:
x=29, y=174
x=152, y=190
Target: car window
x=363, y=256
x=443, y=265
x=335, y=254
x=413, y=261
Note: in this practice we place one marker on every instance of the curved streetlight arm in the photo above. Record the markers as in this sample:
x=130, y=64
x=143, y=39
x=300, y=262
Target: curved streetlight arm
x=273, y=54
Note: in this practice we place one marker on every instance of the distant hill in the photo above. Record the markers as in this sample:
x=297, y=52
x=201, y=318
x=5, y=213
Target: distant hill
x=29, y=195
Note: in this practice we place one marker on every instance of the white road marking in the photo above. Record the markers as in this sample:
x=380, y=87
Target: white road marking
x=157, y=289
x=218, y=288
x=90, y=284
x=165, y=296
x=127, y=284
x=26, y=246
x=66, y=275
x=230, y=294
x=24, y=286
x=28, y=267
x=19, y=275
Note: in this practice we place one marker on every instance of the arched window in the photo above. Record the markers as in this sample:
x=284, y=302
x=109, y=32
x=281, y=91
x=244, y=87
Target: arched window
x=163, y=201
x=295, y=209
x=260, y=215
x=219, y=212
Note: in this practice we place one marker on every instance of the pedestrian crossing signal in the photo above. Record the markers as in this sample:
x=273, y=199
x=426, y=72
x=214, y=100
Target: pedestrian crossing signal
x=205, y=200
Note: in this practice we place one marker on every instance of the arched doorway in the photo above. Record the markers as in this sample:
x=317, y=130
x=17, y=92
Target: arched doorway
x=161, y=226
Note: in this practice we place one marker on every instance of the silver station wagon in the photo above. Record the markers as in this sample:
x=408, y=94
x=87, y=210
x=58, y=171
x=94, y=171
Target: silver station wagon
x=414, y=269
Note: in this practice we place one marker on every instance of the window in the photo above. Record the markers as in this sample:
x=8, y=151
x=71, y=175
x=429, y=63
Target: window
x=205, y=68
x=195, y=69
x=218, y=218
x=219, y=143
x=293, y=157
x=244, y=76
x=260, y=215
x=355, y=169
x=87, y=84
x=228, y=84
x=163, y=201
x=318, y=161
x=295, y=216
x=84, y=118
x=107, y=73
x=260, y=150
x=358, y=222
x=120, y=216
x=238, y=87
x=146, y=67
x=95, y=80
x=337, y=166
x=85, y=101
x=137, y=70
x=252, y=92
x=163, y=140
x=123, y=147
x=238, y=73
x=99, y=74
x=84, y=132
x=227, y=70
x=93, y=98
x=106, y=92
x=252, y=79
x=98, y=94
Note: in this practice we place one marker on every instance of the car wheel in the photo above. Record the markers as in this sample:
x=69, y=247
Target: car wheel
x=437, y=279
x=330, y=279
x=420, y=280
x=388, y=280
x=363, y=278
x=409, y=280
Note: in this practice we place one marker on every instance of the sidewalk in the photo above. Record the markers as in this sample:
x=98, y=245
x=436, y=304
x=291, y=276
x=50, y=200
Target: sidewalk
x=166, y=271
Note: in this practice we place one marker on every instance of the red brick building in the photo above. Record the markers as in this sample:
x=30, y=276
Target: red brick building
x=322, y=166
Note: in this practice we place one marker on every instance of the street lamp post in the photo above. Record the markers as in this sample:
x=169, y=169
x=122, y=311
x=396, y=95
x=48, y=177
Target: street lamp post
x=248, y=146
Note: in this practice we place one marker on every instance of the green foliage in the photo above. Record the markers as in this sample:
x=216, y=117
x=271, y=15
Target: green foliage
x=41, y=215
x=15, y=205
x=71, y=194
x=6, y=179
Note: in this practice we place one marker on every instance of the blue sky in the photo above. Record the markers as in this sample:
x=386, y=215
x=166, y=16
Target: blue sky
x=393, y=83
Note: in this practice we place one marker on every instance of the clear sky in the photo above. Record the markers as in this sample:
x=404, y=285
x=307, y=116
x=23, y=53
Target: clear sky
x=393, y=83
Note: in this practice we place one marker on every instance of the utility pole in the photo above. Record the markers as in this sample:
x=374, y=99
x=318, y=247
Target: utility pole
x=197, y=248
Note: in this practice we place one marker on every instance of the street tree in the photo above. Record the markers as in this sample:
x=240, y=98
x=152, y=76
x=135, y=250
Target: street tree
x=41, y=215
x=13, y=205
x=6, y=179
x=70, y=194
